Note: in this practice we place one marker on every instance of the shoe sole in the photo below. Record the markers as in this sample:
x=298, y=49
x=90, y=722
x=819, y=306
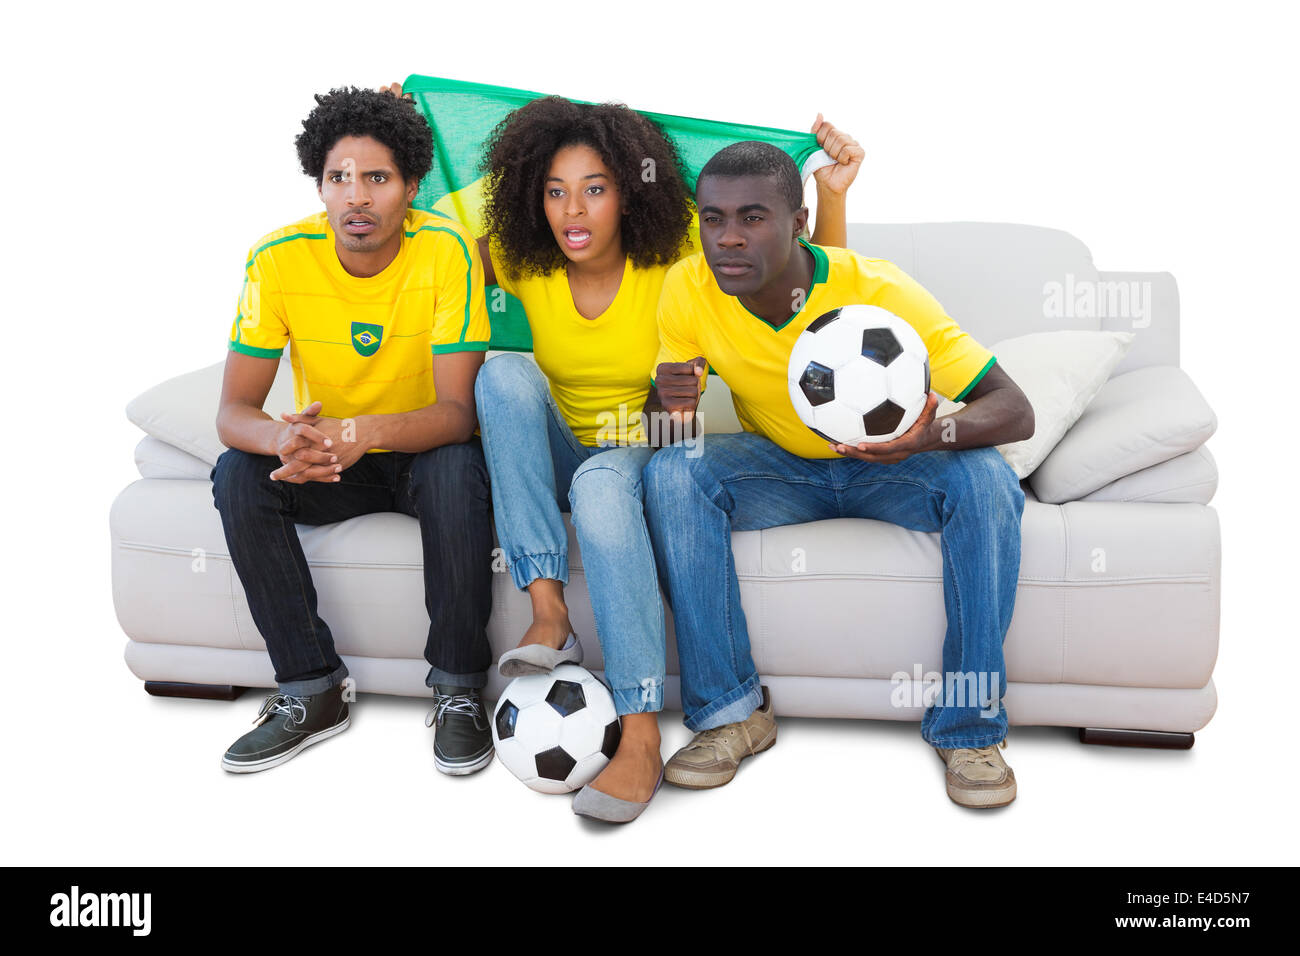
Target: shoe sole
x=982, y=799
x=513, y=669
x=461, y=769
x=267, y=763
x=701, y=780
x=535, y=659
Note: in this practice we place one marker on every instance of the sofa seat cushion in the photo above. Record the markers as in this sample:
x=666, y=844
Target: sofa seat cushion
x=1121, y=594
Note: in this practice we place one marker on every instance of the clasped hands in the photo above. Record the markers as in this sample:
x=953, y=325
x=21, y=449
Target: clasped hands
x=313, y=447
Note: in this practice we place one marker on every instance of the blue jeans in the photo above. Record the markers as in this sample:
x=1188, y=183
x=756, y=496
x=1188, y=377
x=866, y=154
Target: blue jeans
x=445, y=488
x=744, y=482
x=539, y=470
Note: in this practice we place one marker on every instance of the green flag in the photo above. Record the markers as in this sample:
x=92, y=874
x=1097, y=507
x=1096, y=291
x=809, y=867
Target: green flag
x=463, y=114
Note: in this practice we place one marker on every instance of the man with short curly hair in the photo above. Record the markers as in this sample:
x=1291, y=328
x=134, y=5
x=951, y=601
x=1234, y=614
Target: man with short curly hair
x=382, y=307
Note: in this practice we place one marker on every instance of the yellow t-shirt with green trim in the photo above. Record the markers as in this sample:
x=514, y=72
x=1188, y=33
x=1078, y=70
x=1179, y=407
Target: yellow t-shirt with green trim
x=363, y=346
x=596, y=367
x=752, y=357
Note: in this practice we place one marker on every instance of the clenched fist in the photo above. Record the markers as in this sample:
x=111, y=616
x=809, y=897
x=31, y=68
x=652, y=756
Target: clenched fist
x=679, y=385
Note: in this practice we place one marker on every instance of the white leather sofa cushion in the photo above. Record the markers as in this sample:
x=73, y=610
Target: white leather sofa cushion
x=157, y=459
x=1137, y=420
x=1092, y=576
x=1110, y=593
x=1192, y=477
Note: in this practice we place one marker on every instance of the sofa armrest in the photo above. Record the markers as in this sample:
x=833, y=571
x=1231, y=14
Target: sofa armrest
x=157, y=459
x=1146, y=304
x=1188, y=479
x=1137, y=420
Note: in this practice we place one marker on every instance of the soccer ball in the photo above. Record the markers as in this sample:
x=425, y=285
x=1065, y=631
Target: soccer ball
x=556, y=731
x=859, y=373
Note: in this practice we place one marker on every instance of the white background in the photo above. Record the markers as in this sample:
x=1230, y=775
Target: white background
x=146, y=147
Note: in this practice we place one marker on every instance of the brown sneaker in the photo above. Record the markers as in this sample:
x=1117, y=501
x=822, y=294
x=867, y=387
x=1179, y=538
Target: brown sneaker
x=712, y=756
x=979, y=777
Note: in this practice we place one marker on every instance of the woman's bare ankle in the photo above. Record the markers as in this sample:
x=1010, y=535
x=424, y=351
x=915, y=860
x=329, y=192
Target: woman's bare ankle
x=550, y=625
x=640, y=731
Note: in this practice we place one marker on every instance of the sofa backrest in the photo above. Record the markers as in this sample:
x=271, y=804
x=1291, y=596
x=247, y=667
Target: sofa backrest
x=999, y=280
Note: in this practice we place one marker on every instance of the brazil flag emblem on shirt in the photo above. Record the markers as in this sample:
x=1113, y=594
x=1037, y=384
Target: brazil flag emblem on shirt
x=366, y=337
x=462, y=115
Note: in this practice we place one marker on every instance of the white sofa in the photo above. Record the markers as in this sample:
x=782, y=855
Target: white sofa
x=1122, y=648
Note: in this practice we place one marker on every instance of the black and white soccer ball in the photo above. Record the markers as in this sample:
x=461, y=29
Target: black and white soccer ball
x=556, y=731
x=859, y=373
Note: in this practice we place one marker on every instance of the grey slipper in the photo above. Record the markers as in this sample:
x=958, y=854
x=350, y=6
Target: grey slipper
x=601, y=806
x=538, y=658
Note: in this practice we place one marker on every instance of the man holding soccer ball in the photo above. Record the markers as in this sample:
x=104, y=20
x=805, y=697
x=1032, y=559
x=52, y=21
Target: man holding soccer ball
x=738, y=307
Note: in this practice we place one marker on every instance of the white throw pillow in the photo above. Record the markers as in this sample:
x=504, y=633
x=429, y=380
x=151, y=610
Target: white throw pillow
x=1059, y=372
x=1139, y=420
x=182, y=411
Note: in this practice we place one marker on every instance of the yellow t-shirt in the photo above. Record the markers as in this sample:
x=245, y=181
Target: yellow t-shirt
x=752, y=357
x=596, y=367
x=363, y=346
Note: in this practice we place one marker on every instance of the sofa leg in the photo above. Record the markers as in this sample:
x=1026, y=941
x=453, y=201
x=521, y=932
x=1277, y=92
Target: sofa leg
x=1165, y=740
x=166, y=688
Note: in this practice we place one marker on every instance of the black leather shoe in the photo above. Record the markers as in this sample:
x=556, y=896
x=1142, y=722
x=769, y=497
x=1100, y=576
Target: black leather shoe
x=287, y=725
x=462, y=741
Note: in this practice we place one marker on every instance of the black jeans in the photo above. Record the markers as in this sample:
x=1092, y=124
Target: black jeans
x=446, y=488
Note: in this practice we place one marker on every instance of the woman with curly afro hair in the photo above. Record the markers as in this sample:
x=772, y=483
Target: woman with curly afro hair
x=586, y=209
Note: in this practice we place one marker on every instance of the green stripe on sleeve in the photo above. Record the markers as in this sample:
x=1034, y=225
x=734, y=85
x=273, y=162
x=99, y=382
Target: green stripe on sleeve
x=966, y=391
x=460, y=347
x=253, y=350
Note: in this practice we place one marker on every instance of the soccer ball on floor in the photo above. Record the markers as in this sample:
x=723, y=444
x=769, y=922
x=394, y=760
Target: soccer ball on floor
x=556, y=731
x=859, y=373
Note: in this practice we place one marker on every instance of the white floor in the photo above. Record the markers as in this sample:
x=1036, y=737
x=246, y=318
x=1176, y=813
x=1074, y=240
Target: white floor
x=101, y=773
